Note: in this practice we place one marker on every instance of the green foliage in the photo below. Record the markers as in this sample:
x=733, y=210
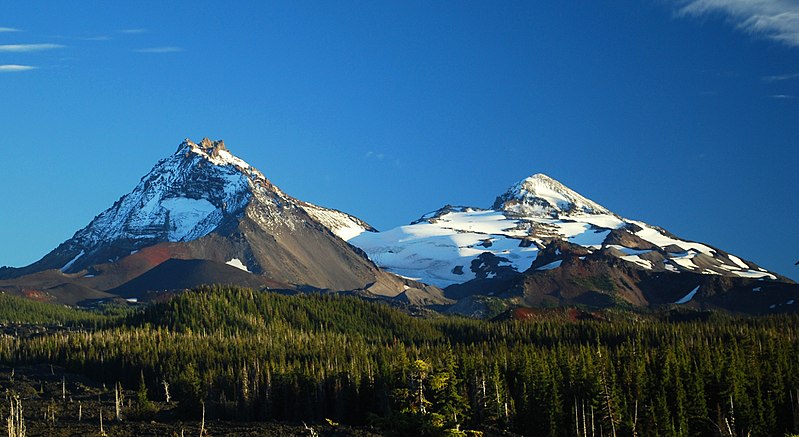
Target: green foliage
x=144, y=407
x=18, y=310
x=262, y=356
x=599, y=283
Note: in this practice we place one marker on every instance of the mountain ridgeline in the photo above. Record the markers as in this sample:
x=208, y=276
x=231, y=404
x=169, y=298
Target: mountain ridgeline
x=204, y=216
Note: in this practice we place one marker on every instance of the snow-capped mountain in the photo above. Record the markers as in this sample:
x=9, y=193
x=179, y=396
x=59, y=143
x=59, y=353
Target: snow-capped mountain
x=540, y=226
x=444, y=246
x=204, y=203
x=204, y=215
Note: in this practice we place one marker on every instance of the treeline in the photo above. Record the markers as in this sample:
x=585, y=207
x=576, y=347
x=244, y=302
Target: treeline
x=18, y=310
x=261, y=356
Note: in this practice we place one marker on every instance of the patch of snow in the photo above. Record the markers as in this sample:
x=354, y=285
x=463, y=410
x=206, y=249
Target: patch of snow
x=772, y=306
x=235, y=262
x=635, y=259
x=132, y=299
x=685, y=262
x=590, y=238
x=790, y=302
x=756, y=289
x=412, y=278
x=738, y=261
x=606, y=221
x=480, y=222
x=687, y=298
x=551, y=265
x=69, y=264
x=343, y=225
x=657, y=238
x=629, y=251
x=226, y=158
x=755, y=274
x=186, y=217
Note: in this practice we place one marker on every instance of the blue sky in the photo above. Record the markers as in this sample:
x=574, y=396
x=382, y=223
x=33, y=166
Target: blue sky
x=684, y=114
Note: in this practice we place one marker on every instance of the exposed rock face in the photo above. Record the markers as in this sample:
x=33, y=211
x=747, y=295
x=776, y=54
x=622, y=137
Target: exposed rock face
x=204, y=203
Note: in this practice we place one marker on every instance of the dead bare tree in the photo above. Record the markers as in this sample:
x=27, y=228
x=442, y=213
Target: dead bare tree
x=102, y=431
x=119, y=399
x=166, y=390
x=16, y=421
x=202, y=424
x=312, y=432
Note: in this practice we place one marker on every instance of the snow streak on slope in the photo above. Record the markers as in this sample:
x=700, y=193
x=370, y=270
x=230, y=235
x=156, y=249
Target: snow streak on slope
x=342, y=224
x=687, y=298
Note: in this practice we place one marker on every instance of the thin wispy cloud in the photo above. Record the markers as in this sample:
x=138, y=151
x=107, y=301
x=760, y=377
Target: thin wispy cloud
x=132, y=31
x=23, y=48
x=8, y=29
x=12, y=68
x=774, y=19
x=781, y=77
x=95, y=38
x=165, y=49
x=782, y=96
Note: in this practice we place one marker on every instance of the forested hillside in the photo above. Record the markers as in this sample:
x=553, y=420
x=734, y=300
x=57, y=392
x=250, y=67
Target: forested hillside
x=249, y=355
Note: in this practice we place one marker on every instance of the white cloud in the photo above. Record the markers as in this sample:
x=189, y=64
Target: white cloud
x=782, y=96
x=133, y=31
x=11, y=68
x=775, y=19
x=21, y=48
x=96, y=38
x=781, y=77
x=165, y=49
x=8, y=29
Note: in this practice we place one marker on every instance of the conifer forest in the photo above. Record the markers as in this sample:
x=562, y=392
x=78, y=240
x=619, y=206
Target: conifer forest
x=238, y=355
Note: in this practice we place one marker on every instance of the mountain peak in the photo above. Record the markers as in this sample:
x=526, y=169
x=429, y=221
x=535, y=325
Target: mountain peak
x=540, y=195
x=213, y=151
